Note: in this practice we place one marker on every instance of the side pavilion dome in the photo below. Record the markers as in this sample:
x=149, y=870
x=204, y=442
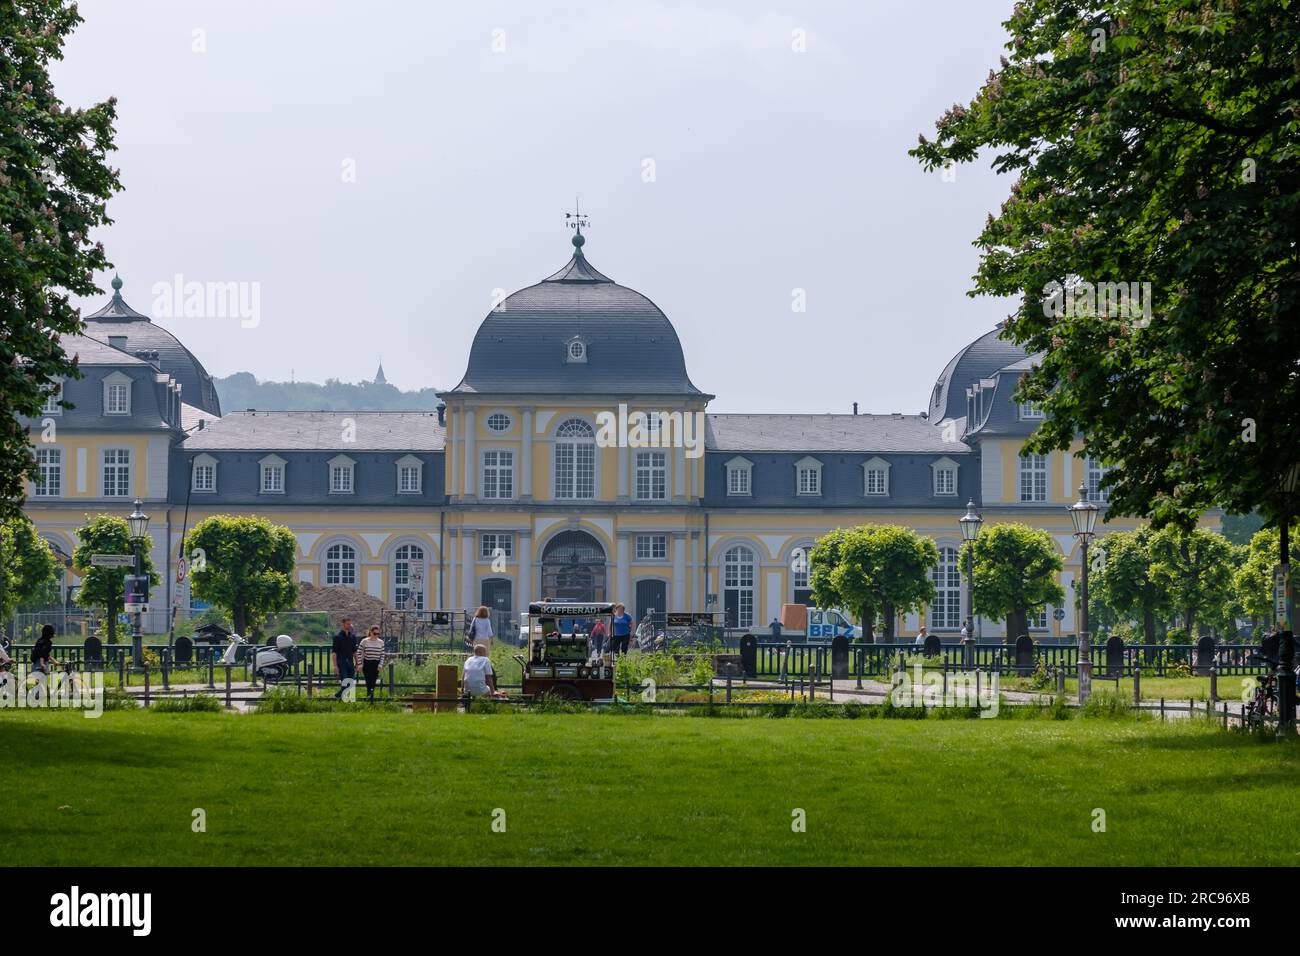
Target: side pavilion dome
x=986, y=355
x=577, y=333
x=145, y=340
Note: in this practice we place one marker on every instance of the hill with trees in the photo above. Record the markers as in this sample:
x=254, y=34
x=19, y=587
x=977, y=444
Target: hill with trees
x=242, y=390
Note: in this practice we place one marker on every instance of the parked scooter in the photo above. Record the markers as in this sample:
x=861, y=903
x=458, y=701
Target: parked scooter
x=269, y=662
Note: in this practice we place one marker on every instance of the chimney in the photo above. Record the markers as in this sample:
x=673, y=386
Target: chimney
x=855, y=408
x=442, y=414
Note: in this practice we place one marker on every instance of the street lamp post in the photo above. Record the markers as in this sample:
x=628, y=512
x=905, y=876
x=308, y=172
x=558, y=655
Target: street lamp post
x=1083, y=513
x=970, y=528
x=138, y=526
x=1286, y=689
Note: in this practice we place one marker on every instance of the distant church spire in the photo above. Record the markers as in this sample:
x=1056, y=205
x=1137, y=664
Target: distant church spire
x=379, y=376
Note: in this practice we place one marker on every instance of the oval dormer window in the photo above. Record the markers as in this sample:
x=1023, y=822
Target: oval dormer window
x=577, y=350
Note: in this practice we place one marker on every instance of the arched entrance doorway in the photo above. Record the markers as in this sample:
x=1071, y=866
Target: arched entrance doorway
x=573, y=568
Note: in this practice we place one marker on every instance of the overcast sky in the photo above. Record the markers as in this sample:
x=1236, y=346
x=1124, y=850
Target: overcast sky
x=377, y=169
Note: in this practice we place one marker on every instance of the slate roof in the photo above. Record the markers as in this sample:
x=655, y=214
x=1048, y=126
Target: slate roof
x=143, y=336
x=320, y=431
x=986, y=355
x=91, y=351
x=827, y=433
x=632, y=348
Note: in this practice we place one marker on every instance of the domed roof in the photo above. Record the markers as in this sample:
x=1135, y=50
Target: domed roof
x=154, y=344
x=577, y=332
x=986, y=355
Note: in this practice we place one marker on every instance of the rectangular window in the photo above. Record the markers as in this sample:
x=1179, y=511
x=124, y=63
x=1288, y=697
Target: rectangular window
x=408, y=479
x=1095, y=471
x=498, y=474
x=340, y=479
x=205, y=477
x=575, y=470
x=651, y=476
x=1033, y=477
x=810, y=481
x=117, y=399
x=272, y=479
x=737, y=481
x=945, y=481
x=52, y=397
x=876, y=481
x=49, y=465
x=117, y=473
x=1031, y=413
x=1038, y=619
x=494, y=543
x=651, y=547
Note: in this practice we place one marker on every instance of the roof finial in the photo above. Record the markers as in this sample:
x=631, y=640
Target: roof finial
x=116, y=284
x=576, y=220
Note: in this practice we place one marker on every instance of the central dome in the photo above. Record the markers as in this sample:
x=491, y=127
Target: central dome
x=580, y=333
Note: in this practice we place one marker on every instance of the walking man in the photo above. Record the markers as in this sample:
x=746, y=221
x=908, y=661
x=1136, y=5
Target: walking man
x=345, y=657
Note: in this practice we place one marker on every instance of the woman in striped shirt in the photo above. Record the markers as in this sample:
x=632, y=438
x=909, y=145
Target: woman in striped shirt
x=371, y=652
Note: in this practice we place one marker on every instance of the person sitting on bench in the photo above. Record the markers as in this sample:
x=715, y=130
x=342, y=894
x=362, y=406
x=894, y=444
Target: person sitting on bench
x=479, y=678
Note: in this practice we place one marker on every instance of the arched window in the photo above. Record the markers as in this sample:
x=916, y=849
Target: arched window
x=945, y=612
x=408, y=578
x=575, y=460
x=341, y=565
x=738, y=586
x=802, y=592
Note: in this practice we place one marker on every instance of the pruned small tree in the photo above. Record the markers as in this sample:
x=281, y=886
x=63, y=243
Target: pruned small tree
x=874, y=570
x=1014, y=571
x=1252, y=582
x=1196, y=568
x=245, y=566
x=27, y=565
x=1128, y=584
x=104, y=587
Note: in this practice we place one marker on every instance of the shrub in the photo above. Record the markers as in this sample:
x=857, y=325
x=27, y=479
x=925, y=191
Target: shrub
x=285, y=700
x=205, y=703
x=1107, y=705
x=116, y=699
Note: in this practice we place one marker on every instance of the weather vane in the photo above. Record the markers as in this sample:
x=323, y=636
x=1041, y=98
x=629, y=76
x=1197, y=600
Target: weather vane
x=576, y=219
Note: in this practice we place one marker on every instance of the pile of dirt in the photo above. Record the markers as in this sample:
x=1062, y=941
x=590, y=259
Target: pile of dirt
x=340, y=602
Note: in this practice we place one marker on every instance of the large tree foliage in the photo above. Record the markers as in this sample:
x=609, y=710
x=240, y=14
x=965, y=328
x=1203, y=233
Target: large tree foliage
x=53, y=186
x=243, y=565
x=1128, y=584
x=27, y=565
x=1014, y=572
x=1196, y=569
x=874, y=570
x=1152, y=141
x=105, y=587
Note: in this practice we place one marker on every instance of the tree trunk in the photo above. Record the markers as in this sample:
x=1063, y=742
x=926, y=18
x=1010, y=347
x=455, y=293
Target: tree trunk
x=111, y=608
x=1017, y=624
x=868, y=625
x=239, y=619
x=889, y=616
x=1149, y=625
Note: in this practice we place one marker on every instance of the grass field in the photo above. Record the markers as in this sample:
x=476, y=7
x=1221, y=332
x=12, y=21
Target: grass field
x=398, y=788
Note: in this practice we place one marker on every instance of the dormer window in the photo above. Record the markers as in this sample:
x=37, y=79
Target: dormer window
x=576, y=350
x=53, y=398
x=1030, y=412
x=205, y=474
x=739, y=477
x=808, y=475
x=410, y=475
x=272, y=475
x=875, y=477
x=117, y=394
x=341, y=475
x=944, y=477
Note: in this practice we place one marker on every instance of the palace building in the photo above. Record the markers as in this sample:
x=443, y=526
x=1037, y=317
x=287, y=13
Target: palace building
x=507, y=493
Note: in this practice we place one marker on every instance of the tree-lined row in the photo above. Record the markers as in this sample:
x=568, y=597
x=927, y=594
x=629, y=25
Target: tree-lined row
x=1151, y=586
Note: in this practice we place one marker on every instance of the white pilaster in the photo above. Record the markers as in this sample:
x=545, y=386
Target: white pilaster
x=624, y=468
x=623, y=571
x=677, y=601
x=526, y=466
x=524, y=586
x=467, y=597
x=470, y=458
x=679, y=472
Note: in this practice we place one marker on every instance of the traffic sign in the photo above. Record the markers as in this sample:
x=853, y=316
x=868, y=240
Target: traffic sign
x=1059, y=614
x=182, y=568
x=1281, y=587
x=112, y=560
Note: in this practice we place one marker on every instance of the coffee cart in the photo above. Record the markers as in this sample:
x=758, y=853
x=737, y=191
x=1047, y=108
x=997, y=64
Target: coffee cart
x=559, y=657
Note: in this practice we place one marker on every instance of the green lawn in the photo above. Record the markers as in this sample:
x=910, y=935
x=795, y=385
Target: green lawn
x=1173, y=689
x=399, y=788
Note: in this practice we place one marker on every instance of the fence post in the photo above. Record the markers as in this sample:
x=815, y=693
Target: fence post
x=728, y=689
x=212, y=663
x=311, y=674
x=1225, y=715
x=146, y=685
x=392, y=680
x=1162, y=708
x=1137, y=687
x=166, y=662
x=1214, y=683
x=861, y=654
x=121, y=670
x=812, y=682
x=227, y=687
x=1060, y=680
